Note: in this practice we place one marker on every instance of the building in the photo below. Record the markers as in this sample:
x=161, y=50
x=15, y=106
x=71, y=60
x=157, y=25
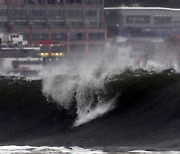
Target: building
x=12, y=39
x=143, y=20
x=62, y=25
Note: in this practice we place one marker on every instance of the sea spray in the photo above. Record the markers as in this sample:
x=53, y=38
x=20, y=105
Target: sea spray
x=82, y=83
x=84, y=91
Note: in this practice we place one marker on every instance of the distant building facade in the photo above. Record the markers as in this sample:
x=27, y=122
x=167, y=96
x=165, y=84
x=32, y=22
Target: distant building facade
x=72, y=24
x=145, y=19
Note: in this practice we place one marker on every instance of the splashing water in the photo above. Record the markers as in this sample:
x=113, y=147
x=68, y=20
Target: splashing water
x=99, y=110
x=82, y=83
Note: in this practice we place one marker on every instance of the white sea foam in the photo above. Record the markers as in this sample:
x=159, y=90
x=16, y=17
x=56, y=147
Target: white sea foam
x=99, y=110
x=153, y=152
x=12, y=149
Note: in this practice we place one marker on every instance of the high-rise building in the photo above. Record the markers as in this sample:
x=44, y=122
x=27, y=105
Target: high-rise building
x=72, y=24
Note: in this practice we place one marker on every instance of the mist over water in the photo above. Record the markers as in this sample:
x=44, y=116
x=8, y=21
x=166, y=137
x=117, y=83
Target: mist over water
x=81, y=81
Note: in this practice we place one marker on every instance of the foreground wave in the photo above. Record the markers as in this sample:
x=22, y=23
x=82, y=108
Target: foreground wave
x=72, y=150
x=46, y=150
x=144, y=113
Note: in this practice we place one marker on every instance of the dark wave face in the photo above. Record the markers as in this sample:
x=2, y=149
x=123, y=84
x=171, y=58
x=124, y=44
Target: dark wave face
x=131, y=109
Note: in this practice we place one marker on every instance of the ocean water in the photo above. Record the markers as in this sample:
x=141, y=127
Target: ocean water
x=136, y=109
x=93, y=106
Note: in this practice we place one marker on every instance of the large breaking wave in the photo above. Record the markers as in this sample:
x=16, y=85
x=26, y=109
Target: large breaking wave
x=143, y=109
x=95, y=102
x=83, y=85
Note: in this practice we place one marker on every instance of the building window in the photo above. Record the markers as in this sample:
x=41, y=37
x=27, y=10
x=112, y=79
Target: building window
x=3, y=12
x=93, y=2
x=137, y=19
x=59, y=1
x=55, y=13
x=51, y=1
x=55, y=1
x=3, y=24
x=162, y=19
x=58, y=48
x=41, y=1
x=20, y=24
x=18, y=13
x=25, y=36
x=54, y=48
x=92, y=14
x=36, y=13
x=39, y=36
x=74, y=14
x=27, y=62
x=87, y=1
x=96, y=36
x=58, y=24
x=39, y=24
x=32, y=1
x=59, y=36
x=77, y=36
x=95, y=24
x=75, y=24
x=74, y=1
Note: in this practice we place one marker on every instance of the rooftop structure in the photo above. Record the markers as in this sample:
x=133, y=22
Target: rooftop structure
x=70, y=24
